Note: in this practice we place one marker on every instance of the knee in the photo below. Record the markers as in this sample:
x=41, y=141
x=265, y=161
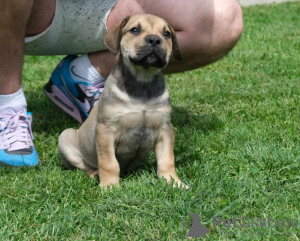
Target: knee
x=229, y=22
x=218, y=31
x=41, y=16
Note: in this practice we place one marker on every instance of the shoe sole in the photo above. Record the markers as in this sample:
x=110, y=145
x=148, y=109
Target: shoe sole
x=62, y=101
x=3, y=164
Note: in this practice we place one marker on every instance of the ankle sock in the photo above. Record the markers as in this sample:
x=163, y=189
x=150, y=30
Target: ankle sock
x=81, y=69
x=13, y=100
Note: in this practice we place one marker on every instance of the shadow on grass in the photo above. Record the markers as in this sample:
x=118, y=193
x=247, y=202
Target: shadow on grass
x=184, y=118
x=48, y=118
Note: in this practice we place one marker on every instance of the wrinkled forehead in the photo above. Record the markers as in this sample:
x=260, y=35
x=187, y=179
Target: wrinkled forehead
x=147, y=22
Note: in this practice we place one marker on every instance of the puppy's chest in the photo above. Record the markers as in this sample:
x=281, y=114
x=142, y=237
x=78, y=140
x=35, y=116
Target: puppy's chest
x=137, y=128
x=132, y=116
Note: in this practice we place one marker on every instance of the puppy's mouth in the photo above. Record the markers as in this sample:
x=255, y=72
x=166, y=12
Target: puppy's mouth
x=150, y=57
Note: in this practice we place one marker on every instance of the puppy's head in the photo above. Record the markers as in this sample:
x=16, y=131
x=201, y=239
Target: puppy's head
x=143, y=40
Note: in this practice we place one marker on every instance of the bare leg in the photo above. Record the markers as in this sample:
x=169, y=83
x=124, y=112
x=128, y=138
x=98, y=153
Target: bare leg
x=14, y=18
x=206, y=29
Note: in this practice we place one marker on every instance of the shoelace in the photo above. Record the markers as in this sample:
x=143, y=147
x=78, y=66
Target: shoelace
x=93, y=90
x=15, y=131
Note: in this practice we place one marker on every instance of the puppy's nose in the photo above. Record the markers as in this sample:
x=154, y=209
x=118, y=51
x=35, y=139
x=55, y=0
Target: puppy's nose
x=153, y=41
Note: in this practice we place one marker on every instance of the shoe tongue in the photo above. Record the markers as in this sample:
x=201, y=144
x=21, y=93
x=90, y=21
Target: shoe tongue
x=12, y=109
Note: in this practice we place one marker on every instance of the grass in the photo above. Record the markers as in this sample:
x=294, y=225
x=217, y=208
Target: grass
x=237, y=146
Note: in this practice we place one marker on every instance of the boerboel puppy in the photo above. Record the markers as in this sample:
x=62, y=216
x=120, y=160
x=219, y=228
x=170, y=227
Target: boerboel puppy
x=132, y=116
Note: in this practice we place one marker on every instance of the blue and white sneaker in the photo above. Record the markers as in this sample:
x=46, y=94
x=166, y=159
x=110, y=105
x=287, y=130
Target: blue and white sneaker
x=16, y=139
x=76, y=98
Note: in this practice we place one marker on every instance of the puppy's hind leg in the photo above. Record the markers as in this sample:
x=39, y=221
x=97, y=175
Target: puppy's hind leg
x=70, y=154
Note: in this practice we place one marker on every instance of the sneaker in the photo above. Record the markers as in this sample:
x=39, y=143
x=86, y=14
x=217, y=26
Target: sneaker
x=73, y=97
x=16, y=139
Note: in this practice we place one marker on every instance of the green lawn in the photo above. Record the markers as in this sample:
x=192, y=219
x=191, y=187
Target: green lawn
x=237, y=146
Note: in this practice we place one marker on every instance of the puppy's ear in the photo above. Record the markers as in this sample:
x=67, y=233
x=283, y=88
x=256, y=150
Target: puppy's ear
x=175, y=47
x=113, y=37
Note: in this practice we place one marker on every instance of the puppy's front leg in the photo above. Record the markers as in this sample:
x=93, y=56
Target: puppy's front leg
x=165, y=156
x=109, y=169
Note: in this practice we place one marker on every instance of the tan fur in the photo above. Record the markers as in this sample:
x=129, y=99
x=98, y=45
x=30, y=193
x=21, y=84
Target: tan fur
x=121, y=130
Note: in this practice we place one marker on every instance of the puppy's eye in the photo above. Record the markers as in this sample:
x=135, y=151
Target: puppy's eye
x=135, y=30
x=167, y=34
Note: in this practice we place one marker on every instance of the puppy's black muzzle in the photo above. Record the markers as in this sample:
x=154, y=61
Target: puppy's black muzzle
x=151, y=54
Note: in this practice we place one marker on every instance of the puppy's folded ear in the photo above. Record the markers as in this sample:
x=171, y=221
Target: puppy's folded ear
x=175, y=47
x=113, y=37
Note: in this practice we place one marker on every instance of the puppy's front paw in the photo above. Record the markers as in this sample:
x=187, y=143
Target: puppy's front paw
x=108, y=185
x=178, y=183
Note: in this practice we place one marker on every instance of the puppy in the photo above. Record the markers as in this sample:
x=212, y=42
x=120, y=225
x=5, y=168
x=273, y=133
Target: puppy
x=132, y=116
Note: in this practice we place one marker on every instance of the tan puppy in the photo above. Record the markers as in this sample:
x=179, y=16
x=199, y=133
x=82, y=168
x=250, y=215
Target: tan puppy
x=132, y=116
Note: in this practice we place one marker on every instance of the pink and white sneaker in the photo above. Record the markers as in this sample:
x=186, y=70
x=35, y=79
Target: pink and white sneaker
x=16, y=139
